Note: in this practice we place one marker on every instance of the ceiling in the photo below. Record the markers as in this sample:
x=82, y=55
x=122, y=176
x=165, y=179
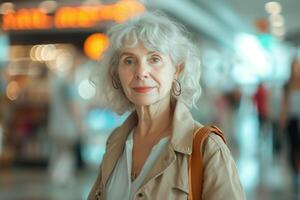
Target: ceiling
x=223, y=19
x=220, y=20
x=250, y=10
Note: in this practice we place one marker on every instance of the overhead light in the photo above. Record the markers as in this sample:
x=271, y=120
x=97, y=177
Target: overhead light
x=86, y=90
x=32, y=52
x=91, y=2
x=12, y=90
x=48, y=6
x=276, y=20
x=6, y=7
x=95, y=45
x=48, y=52
x=38, y=53
x=278, y=31
x=273, y=7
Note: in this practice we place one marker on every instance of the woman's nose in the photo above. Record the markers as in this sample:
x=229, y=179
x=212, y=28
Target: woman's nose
x=142, y=72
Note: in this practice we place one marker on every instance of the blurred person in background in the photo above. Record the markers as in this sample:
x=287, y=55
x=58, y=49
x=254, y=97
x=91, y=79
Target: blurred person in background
x=261, y=102
x=290, y=119
x=63, y=127
x=275, y=101
x=233, y=100
x=227, y=105
x=152, y=69
x=260, y=99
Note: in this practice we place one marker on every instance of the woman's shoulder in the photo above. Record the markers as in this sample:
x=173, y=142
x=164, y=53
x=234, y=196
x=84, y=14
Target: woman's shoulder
x=214, y=144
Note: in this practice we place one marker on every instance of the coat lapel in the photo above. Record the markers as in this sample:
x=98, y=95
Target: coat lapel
x=166, y=158
x=115, y=146
x=181, y=141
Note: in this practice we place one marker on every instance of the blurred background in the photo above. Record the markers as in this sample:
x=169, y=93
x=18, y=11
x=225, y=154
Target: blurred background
x=52, y=134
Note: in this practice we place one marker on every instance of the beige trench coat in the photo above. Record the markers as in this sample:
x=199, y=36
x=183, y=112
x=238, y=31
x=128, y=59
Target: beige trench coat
x=168, y=178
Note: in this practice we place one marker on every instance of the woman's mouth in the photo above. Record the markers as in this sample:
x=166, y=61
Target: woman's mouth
x=143, y=89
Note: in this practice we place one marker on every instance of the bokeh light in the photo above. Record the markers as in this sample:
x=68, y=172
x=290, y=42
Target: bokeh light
x=95, y=45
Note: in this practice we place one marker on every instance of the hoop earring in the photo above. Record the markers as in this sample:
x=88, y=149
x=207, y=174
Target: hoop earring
x=176, y=87
x=115, y=84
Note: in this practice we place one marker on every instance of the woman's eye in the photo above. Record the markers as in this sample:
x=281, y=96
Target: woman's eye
x=155, y=59
x=128, y=61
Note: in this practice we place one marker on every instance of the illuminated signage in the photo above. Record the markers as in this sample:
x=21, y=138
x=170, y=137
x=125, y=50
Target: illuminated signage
x=70, y=17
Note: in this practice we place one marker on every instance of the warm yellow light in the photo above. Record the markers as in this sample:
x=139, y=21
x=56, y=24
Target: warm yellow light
x=38, y=52
x=48, y=52
x=95, y=45
x=125, y=8
x=8, y=21
x=26, y=19
x=12, y=90
x=70, y=16
x=32, y=52
x=65, y=17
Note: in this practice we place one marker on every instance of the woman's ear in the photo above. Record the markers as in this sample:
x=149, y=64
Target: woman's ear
x=179, y=69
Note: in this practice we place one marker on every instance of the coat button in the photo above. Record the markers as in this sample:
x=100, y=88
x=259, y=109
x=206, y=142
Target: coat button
x=140, y=195
x=98, y=195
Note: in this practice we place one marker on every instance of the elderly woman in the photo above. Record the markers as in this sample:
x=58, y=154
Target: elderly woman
x=153, y=70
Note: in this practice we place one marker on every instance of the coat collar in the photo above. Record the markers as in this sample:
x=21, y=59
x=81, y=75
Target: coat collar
x=183, y=127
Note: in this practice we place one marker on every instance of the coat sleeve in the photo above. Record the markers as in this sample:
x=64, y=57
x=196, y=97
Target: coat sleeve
x=93, y=193
x=220, y=176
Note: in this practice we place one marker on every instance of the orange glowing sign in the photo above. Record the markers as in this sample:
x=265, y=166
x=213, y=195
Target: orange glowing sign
x=25, y=19
x=95, y=45
x=70, y=17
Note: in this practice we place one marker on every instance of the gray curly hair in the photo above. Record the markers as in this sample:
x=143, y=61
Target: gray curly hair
x=156, y=32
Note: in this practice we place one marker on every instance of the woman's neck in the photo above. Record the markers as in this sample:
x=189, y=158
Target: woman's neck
x=154, y=119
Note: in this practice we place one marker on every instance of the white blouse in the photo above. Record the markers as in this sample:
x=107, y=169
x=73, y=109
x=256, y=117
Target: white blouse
x=119, y=185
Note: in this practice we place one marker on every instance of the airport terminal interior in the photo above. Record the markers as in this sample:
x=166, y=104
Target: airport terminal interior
x=47, y=52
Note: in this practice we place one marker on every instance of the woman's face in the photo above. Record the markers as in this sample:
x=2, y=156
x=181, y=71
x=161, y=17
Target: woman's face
x=146, y=76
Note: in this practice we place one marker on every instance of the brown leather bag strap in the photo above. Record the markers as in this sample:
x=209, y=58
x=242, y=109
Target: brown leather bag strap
x=196, y=161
